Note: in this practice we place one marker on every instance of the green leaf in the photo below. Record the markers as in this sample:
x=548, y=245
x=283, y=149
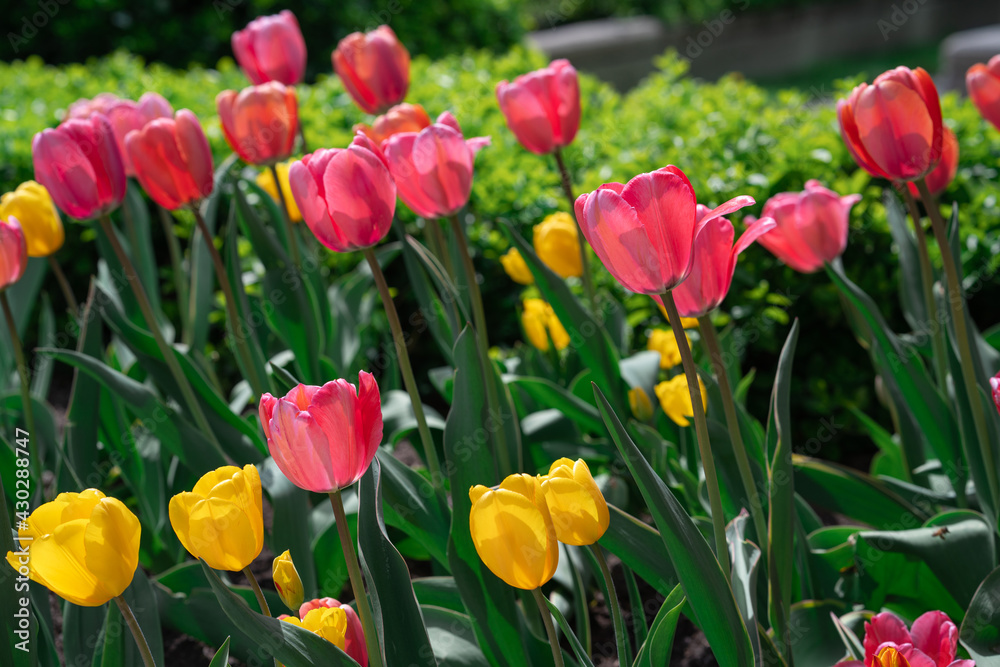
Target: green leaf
x=244, y=311
x=889, y=448
x=452, y=638
x=980, y=633
x=655, y=651
x=641, y=548
x=80, y=437
x=421, y=268
x=221, y=658
x=578, y=650
x=111, y=643
x=551, y=395
x=41, y=373
x=289, y=529
x=411, y=504
x=817, y=641
x=745, y=556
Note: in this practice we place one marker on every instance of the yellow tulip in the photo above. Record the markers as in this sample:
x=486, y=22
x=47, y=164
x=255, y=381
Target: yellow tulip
x=516, y=267
x=84, y=547
x=540, y=324
x=558, y=246
x=664, y=342
x=686, y=322
x=513, y=532
x=287, y=581
x=642, y=407
x=221, y=521
x=266, y=181
x=675, y=398
x=577, y=507
x=330, y=623
x=31, y=204
x=890, y=657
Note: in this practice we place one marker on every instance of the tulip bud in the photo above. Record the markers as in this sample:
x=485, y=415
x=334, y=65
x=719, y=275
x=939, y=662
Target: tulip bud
x=13, y=252
x=271, y=48
x=31, y=204
x=983, y=83
x=995, y=387
x=401, y=118
x=675, y=398
x=286, y=580
x=541, y=324
x=664, y=342
x=374, y=67
x=557, y=244
x=577, y=507
x=354, y=639
x=944, y=173
x=266, y=181
x=330, y=623
x=516, y=267
x=542, y=108
x=638, y=401
x=260, y=122
x=172, y=160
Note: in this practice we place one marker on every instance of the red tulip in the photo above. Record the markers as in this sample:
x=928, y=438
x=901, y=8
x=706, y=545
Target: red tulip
x=84, y=108
x=931, y=641
x=324, y=438
x=714, y=263
x=401, y=118
x=812, y=226
x=172, y=160
x=644, y=231
x=271, y=48
x=983, y=83
x=346, y=195
x=944, y=173
x=893, y=127
x=80, y=165
x=354, y=638
x=124, y=116
x=13, y=252
x=375, y=68
x=260, y=122
x=542, y=108
x=433, y=167
x=995, y=386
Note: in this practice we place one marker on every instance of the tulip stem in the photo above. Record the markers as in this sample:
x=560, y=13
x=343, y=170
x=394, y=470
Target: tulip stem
x=71, y=302
x=440, y=246
x=257, y=592
x=409, y=381
x=711, y=339
x=154, y=328
x=567, y=186
x=240, y=343
x=701, y=430
x=22, y=371
x=293, y=243
x=302, y=135
x=357, y=583
x=550, y=629
x=613, y=604
x=479, y=320
x=956, y=300
x=177, y=267
x=133, y=625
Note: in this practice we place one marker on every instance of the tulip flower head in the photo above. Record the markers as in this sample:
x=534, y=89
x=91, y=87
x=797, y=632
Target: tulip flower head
x=347, y=196
x=983, y=84
x=811, y=226
x=675, y=399
x=644, y=231
x=330, y=623
x=932, y=641
x=354, y=638
x=577, y=506
x=13, y=252
x=84, y=547
x=995, y=390
x=433, y=167
x=893, y=127
x=287, y=581
x=172, y=160
x=557, y=244
x=260, y=122
x=664, y=342
x=374, y=67
x=513, y=532
x=324, y=438
x=542, y=108
x=516, y=267
x=34, y=209
x=266, y=181
x=400, y=118
x=124, y=116
x=221, y=520
x=639, y=403
x=81, y=167
x=542, y=325
x=944, y=173
x=271, y=48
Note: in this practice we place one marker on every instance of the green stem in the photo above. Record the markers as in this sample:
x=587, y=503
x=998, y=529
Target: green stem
x=133, y=625
x=71, y=302
x=711, y=339
x=293, y=243
x=550, y=629
x=956, y=301
x=614, y=605
x=302, y=135
x=701, y=430
x=440, y=246
x=22, y=371
x=177, y=267
x=567, y=186
x=261, y=600
x=409, y=381
x=357, y=583
x=193, y=404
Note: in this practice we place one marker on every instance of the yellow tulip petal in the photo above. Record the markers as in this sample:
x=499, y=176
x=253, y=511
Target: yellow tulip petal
x=330, y=623
x=112, y=545
x=516, y=268
x=33, y=207
x=562, y=463
x=557, y=244
x=222, y=534
x=210, y=479
x=180, y=518
x=47, y=517
x=577, y=516
x=59, y=560
x=514, y=539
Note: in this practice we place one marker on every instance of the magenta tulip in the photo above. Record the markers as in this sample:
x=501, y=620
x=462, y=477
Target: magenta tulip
x=983, y=84
x=542, y=108
x=324, y=438
x=124, y=116
x=374, y=67
x=354, y=639
x=80, y=165
x=644, y=231
x=13, y=252
x=932, y=641
x=172, y=159
x=260, y=122
x=271, y=48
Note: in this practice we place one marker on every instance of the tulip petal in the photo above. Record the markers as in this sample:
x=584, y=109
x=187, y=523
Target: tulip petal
x=512, y=538
x=885, y=627
x=59, y=559
x=301, y=449
x=614, y=232
x=112, y=545
x=222, y=534
x=936, y=636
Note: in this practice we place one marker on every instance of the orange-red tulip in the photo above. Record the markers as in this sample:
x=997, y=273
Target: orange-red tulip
x=375, y=68
x=13, y=252
x=944, y=173
x=260, y=122
x=172, y=160
x=983, y=83
x=401, y=118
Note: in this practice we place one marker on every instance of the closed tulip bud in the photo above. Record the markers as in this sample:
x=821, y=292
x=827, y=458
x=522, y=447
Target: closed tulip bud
x=557, y=244
x=944, y=173
x=542, y=108
x=374, y=68
x=271, y=48
x=31, y=204
x=260, y=122
x=664, y=342
x=675, y=399
x=286, y=580
x=513, y=532
x=172, y=160
x=983, y=83
x=893, y=127
x=354, y=639
x=811, y=226
x=330, y=623
x=221, y=521
x=84, y=547
x=577, y=507
x=324, y=438
x=994, y=386
x=644, y=231
x=13, y=252
x=516, y=267
x=401, y=118
x=266, y=181
x=80, y=165
x=639, y=403
x=542, y=325
x=347, y=196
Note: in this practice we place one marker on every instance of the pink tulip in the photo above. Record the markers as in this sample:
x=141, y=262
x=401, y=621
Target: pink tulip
x=812, y=226
x=931, y=641
x=13, y=252
x=983, y=84
x=347, y=196
x=374, y=67
x=324, y=438
x=124, y=116
x=944, y=173
x=84, y=108
x=433, y=167
x=644, y=231
x=271, y=48
x=714, y=263
x=995, y=387
x=542, y=108
x=172, y=160
x=80, y=165
x=355, y=637
x=260, y=122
